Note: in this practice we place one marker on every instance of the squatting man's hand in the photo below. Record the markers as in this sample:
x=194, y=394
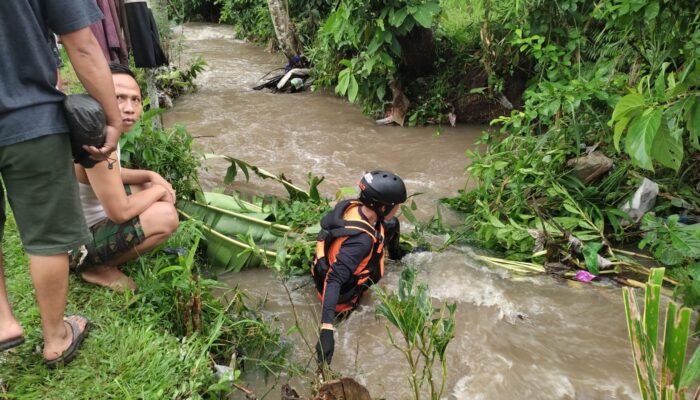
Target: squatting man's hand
x=156, y=179
x=110, y=145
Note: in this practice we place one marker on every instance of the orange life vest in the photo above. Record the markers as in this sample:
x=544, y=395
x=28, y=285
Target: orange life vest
x=336, y=227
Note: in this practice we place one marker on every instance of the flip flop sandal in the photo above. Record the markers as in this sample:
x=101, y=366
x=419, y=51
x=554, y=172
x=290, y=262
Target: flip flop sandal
x=72, y=350
x=10, y=343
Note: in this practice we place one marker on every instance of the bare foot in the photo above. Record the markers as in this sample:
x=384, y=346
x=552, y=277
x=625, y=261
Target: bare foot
x=54, y=350
x=109, y=277
x=11, y=330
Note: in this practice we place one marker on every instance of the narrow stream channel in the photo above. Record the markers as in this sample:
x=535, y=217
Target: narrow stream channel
x=516, y=338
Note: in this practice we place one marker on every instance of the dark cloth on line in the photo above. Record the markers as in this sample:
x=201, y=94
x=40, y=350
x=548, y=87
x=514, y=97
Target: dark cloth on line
x=107, y=32
x=30, y=104
x=122, y=53
x=145, y=40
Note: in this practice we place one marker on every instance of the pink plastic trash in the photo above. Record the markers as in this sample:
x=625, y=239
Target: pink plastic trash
x=584, y=276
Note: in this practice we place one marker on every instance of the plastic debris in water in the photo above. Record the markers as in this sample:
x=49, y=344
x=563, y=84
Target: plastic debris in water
x=297, y=83
x=584, y=276
x=452, y=118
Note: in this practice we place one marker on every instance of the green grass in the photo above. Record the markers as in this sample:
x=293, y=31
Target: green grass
x=129, y=353
x=460, y=19
x=146, y=346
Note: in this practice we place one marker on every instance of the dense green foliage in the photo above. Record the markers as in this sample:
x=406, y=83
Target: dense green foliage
x=366, y=36
x=168, y=152
x=591, y=90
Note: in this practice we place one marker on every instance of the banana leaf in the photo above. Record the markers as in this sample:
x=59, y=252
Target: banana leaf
x=295, y=192
x=238, y=205
x=265, y=234
x=232, y=254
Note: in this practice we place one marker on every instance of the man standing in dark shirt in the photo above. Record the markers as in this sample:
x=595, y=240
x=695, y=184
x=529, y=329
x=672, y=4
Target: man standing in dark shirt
x=35, y=156
x=350, y=249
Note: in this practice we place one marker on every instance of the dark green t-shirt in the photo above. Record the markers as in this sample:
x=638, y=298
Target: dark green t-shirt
x=30, y=104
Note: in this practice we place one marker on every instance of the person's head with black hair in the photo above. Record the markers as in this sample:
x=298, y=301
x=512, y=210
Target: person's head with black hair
x=121, y=69
x=128, y=94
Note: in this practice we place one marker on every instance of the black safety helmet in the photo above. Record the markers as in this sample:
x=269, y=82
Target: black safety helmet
x=382, y=188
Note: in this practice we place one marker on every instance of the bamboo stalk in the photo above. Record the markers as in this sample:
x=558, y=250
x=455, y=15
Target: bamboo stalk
x=633, y=254
x=644, y=270
x=519, y=266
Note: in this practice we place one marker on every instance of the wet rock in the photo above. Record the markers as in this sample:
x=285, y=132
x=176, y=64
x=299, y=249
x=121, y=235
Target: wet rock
x=288, y=393
x=590, y=167
x=343, y=389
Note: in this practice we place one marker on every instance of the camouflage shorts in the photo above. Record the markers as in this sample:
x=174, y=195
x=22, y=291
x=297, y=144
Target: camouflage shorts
x=109, y=240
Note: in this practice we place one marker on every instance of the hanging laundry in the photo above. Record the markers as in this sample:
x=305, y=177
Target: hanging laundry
x=123, y=52
x=108, y=33
x=143, y=33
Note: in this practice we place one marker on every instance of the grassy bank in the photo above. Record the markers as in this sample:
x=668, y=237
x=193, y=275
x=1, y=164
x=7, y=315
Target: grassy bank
x=147, y=345
x=129, y=354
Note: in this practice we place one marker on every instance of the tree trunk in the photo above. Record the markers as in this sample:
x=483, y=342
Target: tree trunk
x=284, y=30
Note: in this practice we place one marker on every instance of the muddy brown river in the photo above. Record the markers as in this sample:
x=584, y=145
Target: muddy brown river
x=516, y=338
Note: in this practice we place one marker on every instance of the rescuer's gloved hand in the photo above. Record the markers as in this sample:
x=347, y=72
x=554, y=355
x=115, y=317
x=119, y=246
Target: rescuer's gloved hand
x=325, y=345
x=392, y=239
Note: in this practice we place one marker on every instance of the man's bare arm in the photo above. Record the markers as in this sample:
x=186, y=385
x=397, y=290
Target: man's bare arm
x=143, y=176
x=108, y=187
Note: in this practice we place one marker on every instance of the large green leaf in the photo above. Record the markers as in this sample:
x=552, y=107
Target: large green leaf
x=628, y=106
x=640, y=137
x=236, y=204
x=619, y=129
x=343, y=82
x=651, y=10
x=232, y=224
x=353, y=89
x=686, y=239
x=232, y=254
x=590, y=254
x=668, y=147
x=424, y=13
x=396, y=17
x=692, y=117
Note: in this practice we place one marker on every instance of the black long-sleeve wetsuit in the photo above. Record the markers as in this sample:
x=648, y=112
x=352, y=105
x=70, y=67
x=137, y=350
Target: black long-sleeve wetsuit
x=351, y=253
